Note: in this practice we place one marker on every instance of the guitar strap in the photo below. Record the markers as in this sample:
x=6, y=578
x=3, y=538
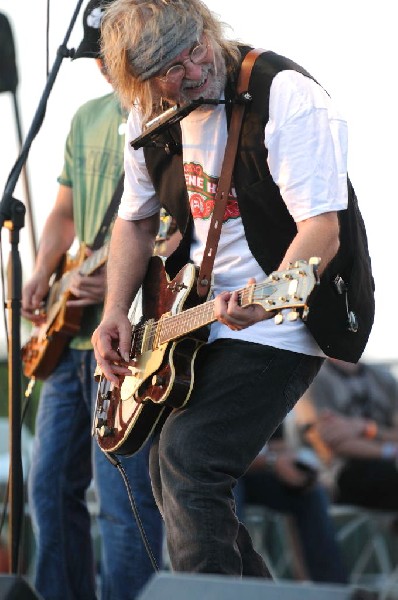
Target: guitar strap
x=109, y=214
x=224, y=183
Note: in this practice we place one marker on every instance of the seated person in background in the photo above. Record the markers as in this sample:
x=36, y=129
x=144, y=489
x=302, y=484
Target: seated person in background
x=286, y=481
x=356, y=408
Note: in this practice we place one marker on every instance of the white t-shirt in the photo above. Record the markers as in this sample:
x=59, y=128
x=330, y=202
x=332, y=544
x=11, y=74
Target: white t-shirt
x=306, y=139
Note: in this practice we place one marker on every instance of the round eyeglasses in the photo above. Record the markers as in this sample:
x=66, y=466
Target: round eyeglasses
x=176, y=72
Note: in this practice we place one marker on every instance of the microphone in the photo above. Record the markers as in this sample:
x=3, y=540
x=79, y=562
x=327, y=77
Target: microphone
x=162, y=122
x=8, y=69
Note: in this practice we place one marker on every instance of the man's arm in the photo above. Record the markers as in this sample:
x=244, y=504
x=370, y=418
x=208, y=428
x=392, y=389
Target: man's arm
x=356, y=437
x=317, y=236
x=131, y=247
x=57, y=237
x=343, y=436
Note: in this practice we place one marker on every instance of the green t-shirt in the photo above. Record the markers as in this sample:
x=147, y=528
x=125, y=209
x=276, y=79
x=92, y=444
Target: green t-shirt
x=92, y=168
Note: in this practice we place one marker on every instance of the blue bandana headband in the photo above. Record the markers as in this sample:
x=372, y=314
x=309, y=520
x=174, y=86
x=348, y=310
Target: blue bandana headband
x=150, y=55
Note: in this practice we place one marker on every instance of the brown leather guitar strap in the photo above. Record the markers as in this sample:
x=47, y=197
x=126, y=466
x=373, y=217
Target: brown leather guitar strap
x=224, y=183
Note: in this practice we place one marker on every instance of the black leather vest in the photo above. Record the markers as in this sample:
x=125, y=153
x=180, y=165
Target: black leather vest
x=269, y=228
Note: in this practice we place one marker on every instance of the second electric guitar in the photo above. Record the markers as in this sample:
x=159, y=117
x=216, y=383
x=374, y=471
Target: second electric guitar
x=43, y=350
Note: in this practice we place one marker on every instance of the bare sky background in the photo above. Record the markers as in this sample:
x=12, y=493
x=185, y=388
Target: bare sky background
x=349, y=47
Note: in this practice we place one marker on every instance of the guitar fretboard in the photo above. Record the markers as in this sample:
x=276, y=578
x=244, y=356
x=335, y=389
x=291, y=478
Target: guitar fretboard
x=172, y=327
x=61, y=287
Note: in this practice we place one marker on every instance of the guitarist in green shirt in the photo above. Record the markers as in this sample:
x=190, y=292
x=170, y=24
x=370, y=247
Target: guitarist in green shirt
x=65, y=458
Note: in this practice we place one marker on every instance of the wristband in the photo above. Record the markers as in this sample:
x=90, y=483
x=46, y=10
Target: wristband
x=370, y=430
x=389, y=450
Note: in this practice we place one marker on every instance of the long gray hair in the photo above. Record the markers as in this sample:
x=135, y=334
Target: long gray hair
x=137, y=28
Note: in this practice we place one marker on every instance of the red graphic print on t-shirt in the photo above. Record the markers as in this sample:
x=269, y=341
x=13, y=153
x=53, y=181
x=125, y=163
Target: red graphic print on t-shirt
x=202, y=189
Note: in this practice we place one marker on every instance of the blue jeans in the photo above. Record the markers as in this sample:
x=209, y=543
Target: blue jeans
x=61, y=472
x=309, y=508
x=242, y=392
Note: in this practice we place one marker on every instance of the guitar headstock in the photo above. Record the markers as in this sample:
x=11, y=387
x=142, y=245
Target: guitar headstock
x=288, y=289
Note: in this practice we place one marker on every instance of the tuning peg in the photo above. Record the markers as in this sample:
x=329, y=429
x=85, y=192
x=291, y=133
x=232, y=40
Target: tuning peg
x=278, y=319
x=299, y=263
x=314, y=262
x=292, y=315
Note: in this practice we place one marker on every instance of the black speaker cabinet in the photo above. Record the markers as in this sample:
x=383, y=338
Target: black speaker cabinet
x=14, y=587
x=181, y=586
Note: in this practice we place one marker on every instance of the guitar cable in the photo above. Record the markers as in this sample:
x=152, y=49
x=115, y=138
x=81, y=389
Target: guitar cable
x=116, y=463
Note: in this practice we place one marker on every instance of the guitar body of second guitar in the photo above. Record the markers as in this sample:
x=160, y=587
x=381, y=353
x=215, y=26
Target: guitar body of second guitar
x=43, y=350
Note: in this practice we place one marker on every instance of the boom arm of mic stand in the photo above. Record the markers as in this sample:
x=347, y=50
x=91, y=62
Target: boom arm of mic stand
x=62, y=53
x=12, y=212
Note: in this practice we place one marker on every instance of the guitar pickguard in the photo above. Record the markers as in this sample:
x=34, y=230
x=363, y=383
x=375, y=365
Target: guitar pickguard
x=144, y=366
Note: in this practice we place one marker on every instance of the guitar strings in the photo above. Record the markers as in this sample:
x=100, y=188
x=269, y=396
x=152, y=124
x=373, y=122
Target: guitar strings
x=171, y=323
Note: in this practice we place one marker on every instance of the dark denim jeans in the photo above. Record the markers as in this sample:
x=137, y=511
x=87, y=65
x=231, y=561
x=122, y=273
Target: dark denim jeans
x=60, y=474
x=242, y=392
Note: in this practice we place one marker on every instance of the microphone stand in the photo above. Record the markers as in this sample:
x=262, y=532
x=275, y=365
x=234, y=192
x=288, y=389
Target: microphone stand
x=12, y=216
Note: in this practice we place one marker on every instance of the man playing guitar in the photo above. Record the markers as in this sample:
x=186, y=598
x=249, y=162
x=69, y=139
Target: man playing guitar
x=250, y=373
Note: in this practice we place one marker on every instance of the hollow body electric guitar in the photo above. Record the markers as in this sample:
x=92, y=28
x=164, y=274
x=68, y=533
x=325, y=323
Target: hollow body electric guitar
x=43, y=350
x=171, y=327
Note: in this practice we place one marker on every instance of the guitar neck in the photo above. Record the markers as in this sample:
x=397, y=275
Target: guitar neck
x=174, y=326
x=87, y=267
x=287, y=289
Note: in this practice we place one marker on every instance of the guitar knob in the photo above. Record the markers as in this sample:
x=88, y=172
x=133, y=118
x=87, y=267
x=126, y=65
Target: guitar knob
x=278, y=319
x=99, y=422
x=105, y=431
x=158, y=380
